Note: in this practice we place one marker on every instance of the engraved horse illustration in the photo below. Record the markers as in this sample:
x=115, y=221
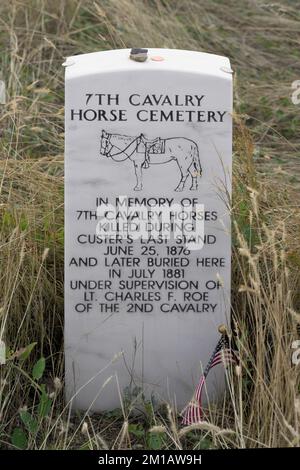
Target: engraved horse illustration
x=144, y=153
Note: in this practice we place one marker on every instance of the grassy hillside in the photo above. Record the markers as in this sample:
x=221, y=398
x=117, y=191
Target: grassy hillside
x=262, y=407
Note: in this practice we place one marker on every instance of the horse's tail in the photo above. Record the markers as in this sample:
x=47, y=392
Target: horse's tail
x=196, y=161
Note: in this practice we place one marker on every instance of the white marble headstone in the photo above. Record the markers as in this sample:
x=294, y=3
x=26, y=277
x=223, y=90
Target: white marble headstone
x=142, y=315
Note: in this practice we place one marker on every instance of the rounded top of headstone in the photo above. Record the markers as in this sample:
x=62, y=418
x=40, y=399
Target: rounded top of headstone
x=174, y=60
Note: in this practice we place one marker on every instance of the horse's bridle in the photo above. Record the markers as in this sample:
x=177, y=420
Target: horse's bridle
x=120, y=151
x=107, y=142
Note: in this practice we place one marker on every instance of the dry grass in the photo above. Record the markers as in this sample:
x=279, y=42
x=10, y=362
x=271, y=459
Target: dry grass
x=262, y=405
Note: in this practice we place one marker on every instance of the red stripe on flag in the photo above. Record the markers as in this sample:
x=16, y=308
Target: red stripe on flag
x=193, y=412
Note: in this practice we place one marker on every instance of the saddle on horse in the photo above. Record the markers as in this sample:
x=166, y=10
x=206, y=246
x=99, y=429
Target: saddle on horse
x=147, y=147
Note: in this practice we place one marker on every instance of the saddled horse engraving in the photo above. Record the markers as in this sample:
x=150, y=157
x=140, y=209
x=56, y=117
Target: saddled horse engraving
x=144, y=153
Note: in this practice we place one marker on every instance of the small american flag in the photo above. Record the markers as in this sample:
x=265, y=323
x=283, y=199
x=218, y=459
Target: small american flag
x=222, y=354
